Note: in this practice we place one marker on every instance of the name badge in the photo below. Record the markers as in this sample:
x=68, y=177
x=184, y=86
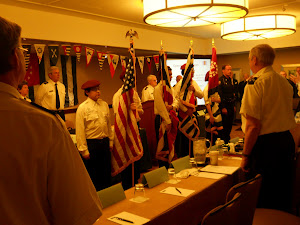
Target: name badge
x=51, y=91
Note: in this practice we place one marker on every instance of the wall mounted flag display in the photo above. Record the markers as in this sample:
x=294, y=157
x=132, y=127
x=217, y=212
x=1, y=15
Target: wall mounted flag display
x=32, y=75
x=67, y=49
x=101, y=58
x=113, y=62
x=141, y=63
x=27, y=55
x=39, y=51
x=156, y=61
x=89, y=52
x=148, y=60
x=53, y=54
x=77, y=49
x=123, y=62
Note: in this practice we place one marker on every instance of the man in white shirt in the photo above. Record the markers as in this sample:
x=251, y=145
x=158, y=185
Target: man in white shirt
x=51, y=94
x=43, y=179
x=147, y=92
x=267, y=117
x=94, y=135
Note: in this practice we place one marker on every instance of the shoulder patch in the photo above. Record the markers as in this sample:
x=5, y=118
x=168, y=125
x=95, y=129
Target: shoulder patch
x=252, y=80
x=46, y=82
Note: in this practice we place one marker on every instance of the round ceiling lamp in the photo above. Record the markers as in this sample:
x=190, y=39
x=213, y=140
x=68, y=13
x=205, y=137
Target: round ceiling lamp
x=183, y=13
x=259, y=27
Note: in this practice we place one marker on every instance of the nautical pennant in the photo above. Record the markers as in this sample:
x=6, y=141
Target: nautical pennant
x=123, y=62
x=77, y=49
x=89, y=52
x=156, y=61
x=53, y=54
x=141, y=63
x=27, y=55
x=113, y=62
x=101, y=58
x=39, y=51
x=148, y=60
x=67, y=49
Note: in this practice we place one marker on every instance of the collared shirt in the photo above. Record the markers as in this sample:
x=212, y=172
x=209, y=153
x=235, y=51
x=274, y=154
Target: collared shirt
x=46, y=95
x=92, y=122
x=159, y=105
x=179, y=95
x=147, y=93
x=270, y=100
x=25, y=98
x=43, y=179
x=116, y=100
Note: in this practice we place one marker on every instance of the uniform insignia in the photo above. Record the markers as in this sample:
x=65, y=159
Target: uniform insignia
x=252, y=80
x=46, y=82
x=146, y=88
x=51, y=91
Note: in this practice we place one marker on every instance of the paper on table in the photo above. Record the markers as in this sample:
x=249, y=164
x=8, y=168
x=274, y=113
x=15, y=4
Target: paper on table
x=220, y=169
x=136, y=220
x=173, y=191
x=209, y=175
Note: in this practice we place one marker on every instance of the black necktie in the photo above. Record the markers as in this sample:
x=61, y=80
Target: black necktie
x=57, y=97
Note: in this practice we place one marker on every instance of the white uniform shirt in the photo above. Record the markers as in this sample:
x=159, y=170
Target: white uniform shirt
x=92, y=122
x=43, y=179
x=179, y=95
x=147, y=93
x=270, y=100
x=46, y=95
x=159, y=105
x=116, y=100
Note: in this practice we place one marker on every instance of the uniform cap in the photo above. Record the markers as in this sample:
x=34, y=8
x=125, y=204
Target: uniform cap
x=182, y=67
x=90, y=84
x=207, y=76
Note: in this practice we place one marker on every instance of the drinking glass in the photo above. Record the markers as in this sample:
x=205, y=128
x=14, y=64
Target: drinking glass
x=173, y=179
x=139, y=193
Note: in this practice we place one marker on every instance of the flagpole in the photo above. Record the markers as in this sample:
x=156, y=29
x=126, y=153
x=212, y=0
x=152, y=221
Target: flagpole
x=190, y=141
x=211, y=132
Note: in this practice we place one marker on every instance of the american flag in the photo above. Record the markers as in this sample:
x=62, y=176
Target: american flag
x=163, y=153
x=188, y=125
x=127, y=141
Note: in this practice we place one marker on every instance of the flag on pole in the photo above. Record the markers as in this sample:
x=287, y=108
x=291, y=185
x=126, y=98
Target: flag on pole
x=165, y=152
x=213, y=82
x=188, y=125
x=89, y=52
x=148, y=60
x=127, y=141
x=113, y=62
x=53, y=54
x=27, y=55
x=141, y=63
x=32, y=75
x=101, y=58
x=77, y=49
x=39, y=51
x=156, y=61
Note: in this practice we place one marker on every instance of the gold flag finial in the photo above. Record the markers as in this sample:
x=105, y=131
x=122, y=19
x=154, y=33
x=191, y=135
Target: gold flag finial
x=213, y=42
x=191, y=43
x=161, y=45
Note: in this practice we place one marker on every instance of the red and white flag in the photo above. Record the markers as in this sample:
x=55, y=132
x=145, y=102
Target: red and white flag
x=148, y=60
x=113, y=62
x=156, y=61
x=77, y=49
x=32, y=75
x=128, y=146
x=89, y=52
x=101, y=58
x=67, y=49
x=39, y=51
x=163, y=153
x=213, y=80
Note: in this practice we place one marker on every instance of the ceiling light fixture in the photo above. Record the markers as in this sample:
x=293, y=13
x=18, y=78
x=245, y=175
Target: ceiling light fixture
x=259, y=27
x=183, y=13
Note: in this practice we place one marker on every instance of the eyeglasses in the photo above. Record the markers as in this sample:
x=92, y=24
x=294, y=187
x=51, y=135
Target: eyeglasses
x=24, y=50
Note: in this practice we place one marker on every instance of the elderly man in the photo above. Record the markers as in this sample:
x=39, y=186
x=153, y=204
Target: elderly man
x=43, y=180
x=51, y=94
x=147, y=92
x=94, y=135
x=266, y=120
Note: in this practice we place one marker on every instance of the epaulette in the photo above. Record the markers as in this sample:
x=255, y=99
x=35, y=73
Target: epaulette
x=42, y=108
x=252, y=80
x=146, y=88
x=46, y=82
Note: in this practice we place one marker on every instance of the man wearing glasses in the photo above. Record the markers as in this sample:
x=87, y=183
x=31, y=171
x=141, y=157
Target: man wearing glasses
x=94, y=135
x=43, y=180
x=147, y=92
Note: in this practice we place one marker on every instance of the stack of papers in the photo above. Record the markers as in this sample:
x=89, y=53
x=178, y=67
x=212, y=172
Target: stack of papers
x=220, y=169
x=128, y=218
x=215, y=176
x=177, y=191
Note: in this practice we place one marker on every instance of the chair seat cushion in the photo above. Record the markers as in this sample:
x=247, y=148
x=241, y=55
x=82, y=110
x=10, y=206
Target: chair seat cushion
x=274, y=217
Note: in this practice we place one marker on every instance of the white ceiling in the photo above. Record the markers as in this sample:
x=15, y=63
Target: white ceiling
x=131, y=12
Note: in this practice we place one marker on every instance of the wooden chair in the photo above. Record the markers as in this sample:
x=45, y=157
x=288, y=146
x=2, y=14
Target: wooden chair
x=250, y=191
x=111, y=195
x=224, y=214
x=274, y=217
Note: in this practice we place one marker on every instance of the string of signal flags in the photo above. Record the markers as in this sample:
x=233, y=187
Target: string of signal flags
x=112, y=59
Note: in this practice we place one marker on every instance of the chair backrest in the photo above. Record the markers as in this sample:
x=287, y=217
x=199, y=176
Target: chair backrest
x=224, y=214
x=181, y=164
x=250, y=191
x=111, y=195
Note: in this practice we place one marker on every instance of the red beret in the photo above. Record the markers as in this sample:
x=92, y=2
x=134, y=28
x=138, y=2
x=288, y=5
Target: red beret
x=122, y=75
x=90, y=84
x=182, y=67
x=207, y=76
